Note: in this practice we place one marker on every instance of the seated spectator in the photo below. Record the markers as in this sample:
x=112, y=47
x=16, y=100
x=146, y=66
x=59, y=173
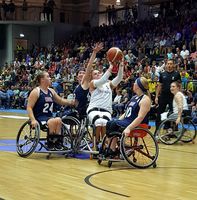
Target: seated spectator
x=4, y=97
x=119, y=107
x=116, y=100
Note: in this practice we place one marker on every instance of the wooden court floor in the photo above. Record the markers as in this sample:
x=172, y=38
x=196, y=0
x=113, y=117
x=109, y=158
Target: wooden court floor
x=62, y=178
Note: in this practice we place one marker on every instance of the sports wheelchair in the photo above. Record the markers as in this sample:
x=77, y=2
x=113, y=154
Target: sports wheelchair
x=82, y=134
x=139, y=148
x=170, y=133
x=31, y=140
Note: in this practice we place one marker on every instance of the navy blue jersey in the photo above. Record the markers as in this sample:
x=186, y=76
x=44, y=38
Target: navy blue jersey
x=81, y=97
x=44, y=105
x=132, y=111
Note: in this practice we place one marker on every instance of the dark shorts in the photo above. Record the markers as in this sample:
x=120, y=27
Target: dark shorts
x=42, y=120
x=113, y=126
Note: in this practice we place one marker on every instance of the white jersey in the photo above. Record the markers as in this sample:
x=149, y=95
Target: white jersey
x=101, y=97
x=175, y=106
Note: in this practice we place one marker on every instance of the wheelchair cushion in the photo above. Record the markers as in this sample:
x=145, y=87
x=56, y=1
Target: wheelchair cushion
x=139, y=133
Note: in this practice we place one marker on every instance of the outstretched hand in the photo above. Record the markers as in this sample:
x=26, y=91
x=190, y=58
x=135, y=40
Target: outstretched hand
x=98, y=46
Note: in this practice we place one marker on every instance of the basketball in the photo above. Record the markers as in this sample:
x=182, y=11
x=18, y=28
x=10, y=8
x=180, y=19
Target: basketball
x=114, y=54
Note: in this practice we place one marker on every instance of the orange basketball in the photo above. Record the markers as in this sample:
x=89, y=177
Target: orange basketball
x=114, y=54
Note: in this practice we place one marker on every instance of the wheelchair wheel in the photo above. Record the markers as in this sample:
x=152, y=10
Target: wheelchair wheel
x=67, y=140
x=189, y=130
x=140, y=148
x=72, y=124
x=27, y=139
x=105, y=146
x=169, y=133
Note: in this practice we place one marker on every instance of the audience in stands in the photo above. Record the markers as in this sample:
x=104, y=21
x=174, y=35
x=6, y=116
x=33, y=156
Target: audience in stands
x=146, y=46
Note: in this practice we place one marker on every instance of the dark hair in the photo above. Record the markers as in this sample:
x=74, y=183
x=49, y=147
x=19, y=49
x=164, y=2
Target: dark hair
x=171, y=60
x=80, y=69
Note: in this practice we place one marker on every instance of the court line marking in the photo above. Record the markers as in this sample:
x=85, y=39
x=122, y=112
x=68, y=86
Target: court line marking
x=176, y=150
x=13, y=117
x=88, y=182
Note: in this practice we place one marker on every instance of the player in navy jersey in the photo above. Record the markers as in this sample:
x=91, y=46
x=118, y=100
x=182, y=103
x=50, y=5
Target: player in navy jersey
x=84, y=78
x=136, y=113
x=40, y=109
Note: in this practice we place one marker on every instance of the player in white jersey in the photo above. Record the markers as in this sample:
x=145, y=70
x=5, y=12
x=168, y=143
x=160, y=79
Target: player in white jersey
x=179, y=101
x=100, y=107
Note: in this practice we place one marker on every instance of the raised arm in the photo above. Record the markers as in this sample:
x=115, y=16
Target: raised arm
x=114, y=83
x=87, y=77
x=96, y=83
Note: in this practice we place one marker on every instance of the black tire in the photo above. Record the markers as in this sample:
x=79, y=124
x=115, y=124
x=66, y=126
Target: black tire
x=109, y=164
x=72, y=124
x=105, y=146
x=99, y=161
x=67, y=138
x=189, y=130
x=138, y=150
x=27, y=139
x=169, y=133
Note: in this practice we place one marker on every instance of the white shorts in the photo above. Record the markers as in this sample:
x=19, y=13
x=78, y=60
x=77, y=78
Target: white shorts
x=99, y=118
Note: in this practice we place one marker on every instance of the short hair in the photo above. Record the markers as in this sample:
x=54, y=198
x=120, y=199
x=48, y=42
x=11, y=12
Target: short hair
x=80, y=69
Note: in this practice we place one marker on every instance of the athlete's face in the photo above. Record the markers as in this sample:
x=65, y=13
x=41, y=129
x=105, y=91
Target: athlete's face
x=174, y=88
x=80, y=75
x=96, y=74
x=46, y=79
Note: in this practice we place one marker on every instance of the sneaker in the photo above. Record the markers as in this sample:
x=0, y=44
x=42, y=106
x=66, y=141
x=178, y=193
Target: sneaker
x=50, y=146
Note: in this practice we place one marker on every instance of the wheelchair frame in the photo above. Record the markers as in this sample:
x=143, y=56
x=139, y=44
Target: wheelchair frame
x=32, y=138
x=82, y=140
x=169, y=133
x=133, y=148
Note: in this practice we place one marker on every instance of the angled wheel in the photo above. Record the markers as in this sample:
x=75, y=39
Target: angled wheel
x=67, y=139
x=189, y=130
x=168, y=132
x=140, y=148
x=27, y=139
x=72, y=125
x=103, y=147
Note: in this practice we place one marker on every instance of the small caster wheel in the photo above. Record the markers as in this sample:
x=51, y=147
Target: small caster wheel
x=48, y=156
x=66, y=155
x=109, y=164
x=99, y=161
x=154, y=165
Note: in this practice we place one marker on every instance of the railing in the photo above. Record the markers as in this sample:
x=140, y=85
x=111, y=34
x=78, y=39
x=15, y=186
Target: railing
x=35, y=13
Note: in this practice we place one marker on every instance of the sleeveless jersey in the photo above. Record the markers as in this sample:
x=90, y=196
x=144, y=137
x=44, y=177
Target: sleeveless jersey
x=44, y=105
x=131, y=113
x=175, y=106
x=101, y=97
x=81, y=97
